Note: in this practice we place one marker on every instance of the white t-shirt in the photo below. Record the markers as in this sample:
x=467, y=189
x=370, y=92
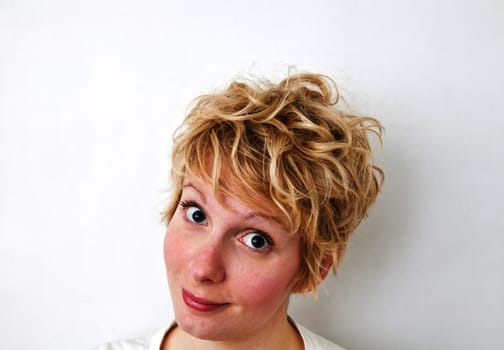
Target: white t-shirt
x=311, y=341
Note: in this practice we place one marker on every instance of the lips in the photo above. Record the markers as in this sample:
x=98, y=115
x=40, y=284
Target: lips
x=200, y=304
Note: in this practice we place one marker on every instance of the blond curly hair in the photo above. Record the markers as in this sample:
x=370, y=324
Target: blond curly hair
x=288, y=144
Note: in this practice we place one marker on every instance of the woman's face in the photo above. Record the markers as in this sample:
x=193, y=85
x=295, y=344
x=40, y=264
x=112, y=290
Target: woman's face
x=230, y=269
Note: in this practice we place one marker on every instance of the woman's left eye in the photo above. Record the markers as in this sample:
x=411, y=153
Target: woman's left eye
x=257, y=241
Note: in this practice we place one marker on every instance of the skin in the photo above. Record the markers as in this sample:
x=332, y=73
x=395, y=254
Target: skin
x=230, y=288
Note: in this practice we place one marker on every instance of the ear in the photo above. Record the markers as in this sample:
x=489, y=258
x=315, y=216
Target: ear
x=325, y=266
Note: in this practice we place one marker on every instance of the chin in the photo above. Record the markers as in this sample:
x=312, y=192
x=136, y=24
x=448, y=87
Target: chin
x=210, y=331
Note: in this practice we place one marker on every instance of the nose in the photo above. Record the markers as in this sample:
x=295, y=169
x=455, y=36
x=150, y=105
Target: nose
x=207, y=263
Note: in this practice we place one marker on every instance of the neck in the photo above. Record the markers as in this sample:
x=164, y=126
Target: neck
x=282, y=336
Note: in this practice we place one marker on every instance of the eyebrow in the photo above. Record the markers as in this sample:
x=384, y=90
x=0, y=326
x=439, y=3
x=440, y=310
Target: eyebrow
x=201, y=195
x=249, y=216
x=254, y=214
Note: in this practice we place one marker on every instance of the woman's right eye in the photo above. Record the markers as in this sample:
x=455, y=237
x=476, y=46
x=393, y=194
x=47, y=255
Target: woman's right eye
x=193, y=213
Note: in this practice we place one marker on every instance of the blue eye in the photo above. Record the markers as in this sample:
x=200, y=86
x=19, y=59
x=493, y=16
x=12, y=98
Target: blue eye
x=257, y=241
x=193, y=213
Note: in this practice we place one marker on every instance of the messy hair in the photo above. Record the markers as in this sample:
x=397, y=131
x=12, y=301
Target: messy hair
x=290, y=145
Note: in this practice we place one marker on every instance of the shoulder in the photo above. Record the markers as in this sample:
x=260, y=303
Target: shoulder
x=314, y=341
x=130, y=344
x=150, y=342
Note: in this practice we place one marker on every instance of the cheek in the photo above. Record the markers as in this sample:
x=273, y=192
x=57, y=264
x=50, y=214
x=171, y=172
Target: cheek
x=265, y=286
x=172, y=249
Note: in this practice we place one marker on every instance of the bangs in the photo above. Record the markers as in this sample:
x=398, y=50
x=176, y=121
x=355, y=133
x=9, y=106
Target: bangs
x=235, y=162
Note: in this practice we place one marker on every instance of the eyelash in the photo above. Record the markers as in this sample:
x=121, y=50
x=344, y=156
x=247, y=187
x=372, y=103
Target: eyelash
x=187, y=204
x=269, y=240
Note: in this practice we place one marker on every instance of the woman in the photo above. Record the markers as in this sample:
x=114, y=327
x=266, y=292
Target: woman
x=268, y=183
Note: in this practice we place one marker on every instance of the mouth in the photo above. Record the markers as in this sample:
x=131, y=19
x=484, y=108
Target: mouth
x=200, y=304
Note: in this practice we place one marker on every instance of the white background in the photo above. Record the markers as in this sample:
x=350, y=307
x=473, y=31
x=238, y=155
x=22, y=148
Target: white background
x=91, y=91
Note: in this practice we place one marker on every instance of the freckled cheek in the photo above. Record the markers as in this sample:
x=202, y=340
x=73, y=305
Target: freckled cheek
x=261, y=291
x=173, y=249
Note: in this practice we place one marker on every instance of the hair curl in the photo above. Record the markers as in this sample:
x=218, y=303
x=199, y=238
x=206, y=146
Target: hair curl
x=286, y=143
